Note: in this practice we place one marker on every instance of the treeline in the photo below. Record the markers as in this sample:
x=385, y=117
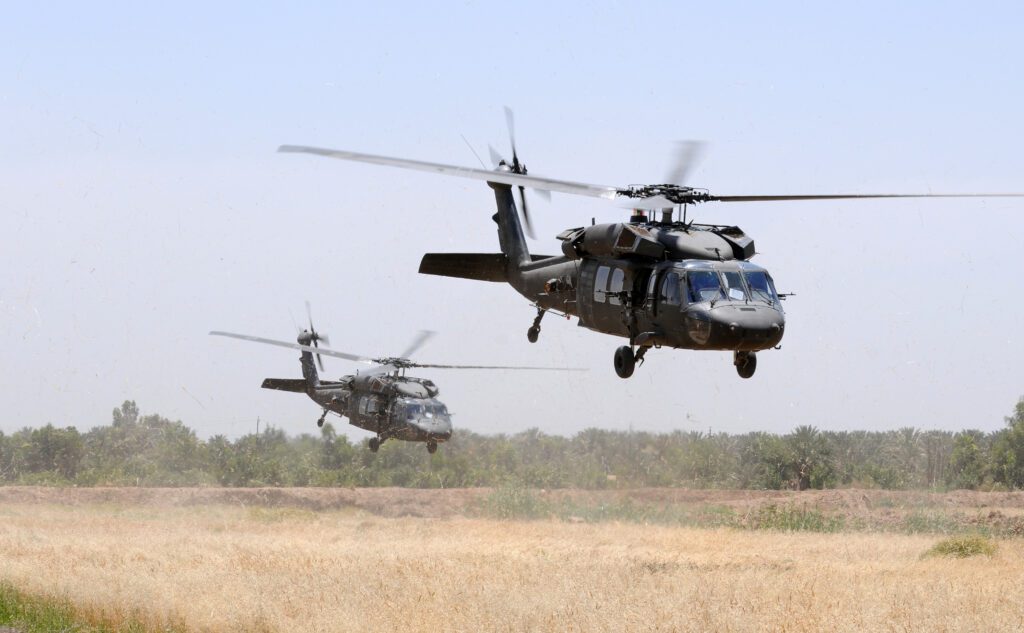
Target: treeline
x=150, y=450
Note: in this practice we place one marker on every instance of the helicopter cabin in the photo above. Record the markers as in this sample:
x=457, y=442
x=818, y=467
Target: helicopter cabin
x=622, y=295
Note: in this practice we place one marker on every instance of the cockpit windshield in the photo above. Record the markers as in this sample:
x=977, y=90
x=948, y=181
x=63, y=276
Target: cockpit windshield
x=704, y=285
x=761, y=286
x=734, y=289
x=423, y=409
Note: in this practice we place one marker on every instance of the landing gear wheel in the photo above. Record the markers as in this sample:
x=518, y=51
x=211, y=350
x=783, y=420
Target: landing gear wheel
x=625, y=362
x=431, y=447
x=320, y=422
x=746, y=363
x=374, y=444
x=534, y=332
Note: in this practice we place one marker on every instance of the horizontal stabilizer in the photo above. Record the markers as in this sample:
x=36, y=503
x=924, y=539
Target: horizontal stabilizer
x=298, y=385
x=478, y=266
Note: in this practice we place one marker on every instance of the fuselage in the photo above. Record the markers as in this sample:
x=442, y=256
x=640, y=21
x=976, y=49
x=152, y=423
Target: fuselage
x=689, y=304
x=392, y=406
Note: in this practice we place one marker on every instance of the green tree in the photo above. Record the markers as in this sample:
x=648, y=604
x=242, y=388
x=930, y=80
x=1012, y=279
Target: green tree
x=967, y=465
x=812, y=463
x=1008, y=450
x=55, y=450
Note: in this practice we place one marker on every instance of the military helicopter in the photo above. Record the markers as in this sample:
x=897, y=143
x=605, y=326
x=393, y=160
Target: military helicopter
x=657, y=281
x=382, y=400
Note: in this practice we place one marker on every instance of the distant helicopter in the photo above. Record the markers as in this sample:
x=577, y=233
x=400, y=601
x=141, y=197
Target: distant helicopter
x=382, y=400
x=658, y=282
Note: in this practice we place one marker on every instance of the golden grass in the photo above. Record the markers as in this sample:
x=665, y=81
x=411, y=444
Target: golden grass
x=224, y=568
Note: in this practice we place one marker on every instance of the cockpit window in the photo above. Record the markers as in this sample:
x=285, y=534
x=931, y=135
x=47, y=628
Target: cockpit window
x=704, y=285
x=414, y=411
x=734, y=286
x=761, y=287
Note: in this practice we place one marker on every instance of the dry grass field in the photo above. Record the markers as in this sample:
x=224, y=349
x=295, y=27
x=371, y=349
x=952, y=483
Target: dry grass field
x=227, y=561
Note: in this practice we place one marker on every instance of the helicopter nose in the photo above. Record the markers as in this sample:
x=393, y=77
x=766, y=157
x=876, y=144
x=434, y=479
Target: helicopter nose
x=749, y=327
x=438, y=427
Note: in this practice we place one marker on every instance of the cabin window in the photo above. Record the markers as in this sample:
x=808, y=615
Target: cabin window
x=615, y=287
x=704, y=286
x=600, y=283
x=368, y=405
x=652, y=287
x=670, y=289
x=734, y=286
x=413, y=411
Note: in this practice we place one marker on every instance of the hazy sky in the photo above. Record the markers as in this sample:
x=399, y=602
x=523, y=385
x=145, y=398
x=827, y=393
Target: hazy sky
x=143, y=203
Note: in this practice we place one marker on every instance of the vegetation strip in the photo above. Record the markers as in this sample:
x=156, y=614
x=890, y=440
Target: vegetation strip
x=150, y=450
x=22, y=613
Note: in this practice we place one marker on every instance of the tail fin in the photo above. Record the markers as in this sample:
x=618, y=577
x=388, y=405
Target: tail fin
x=308, y=367
x=309, y=371
x=510, y=231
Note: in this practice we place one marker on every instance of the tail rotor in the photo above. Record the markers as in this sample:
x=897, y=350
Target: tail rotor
x=315, y=337
x=517, y=167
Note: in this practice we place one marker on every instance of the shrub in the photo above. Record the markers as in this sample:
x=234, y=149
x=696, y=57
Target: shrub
x=963, y=547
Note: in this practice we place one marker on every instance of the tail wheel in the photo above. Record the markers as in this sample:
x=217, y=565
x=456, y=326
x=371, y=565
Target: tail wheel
x=374, y=444
x=431, y=447
x=625, y=362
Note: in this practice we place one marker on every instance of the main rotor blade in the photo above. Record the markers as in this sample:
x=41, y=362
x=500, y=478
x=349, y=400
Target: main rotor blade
x=855, y=196
x=417, y=343
x=627, y=195
x=502, y=177
x=304, y=348
x=433, y=366
x=380, y=369
x=686, y=156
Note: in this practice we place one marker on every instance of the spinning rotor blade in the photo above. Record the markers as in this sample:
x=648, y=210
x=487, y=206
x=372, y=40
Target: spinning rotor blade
x=518, y=168
x=304, y=348
x=637, y=197
x=527, y=224
x=510, y=123
x=486, y=175
x=421, y=338
x=855, y=196
x=312, y=330
x=686, y=156
x=496, y=158
x=315, y=337
x=432, y=366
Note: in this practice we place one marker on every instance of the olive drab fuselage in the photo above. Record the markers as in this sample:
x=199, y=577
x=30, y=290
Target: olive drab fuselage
x=657, y=284
x=655, y=304
x=390, y=404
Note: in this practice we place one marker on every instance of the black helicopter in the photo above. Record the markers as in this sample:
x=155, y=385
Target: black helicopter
x=657, y=281
x=382, y=400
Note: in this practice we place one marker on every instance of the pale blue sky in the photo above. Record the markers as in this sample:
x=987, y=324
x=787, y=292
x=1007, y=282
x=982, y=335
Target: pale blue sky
x=143, y=203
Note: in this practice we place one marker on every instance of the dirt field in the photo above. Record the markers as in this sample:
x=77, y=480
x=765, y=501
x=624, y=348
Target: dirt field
x=372, y=560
